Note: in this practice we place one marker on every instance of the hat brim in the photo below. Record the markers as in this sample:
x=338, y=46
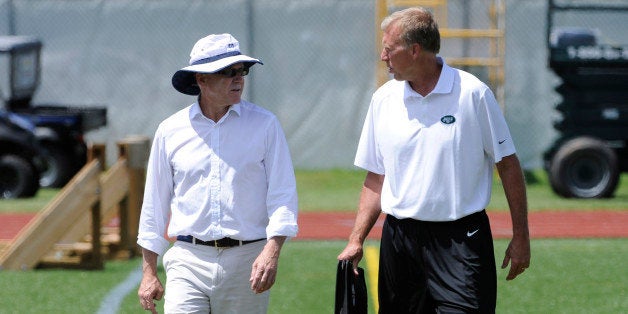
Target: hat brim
x=184, y=80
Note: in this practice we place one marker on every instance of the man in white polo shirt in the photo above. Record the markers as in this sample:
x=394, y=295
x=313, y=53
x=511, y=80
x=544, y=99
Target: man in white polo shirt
x=429, y=143
x=219, y=180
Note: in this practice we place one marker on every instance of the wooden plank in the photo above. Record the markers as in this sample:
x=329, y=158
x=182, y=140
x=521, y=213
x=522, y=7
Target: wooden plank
x=43, y=231
x=136, y=150
x=96, y=260
x=61, y=262
x=3, y=245
x=114, y=184
x=130, y=216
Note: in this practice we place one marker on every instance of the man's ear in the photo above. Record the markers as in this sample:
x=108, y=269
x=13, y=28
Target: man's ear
x=416, y=49
x=200, y=78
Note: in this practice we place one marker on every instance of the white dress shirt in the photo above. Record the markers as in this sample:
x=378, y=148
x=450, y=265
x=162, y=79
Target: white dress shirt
x=437, y=152
x=232, y=178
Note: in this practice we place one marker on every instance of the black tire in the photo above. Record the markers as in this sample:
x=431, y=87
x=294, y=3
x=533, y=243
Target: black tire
x=584, y=167
x=59, y=167
x=18, y=177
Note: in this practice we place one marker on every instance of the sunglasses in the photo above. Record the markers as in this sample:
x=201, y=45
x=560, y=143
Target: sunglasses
x=232, y=72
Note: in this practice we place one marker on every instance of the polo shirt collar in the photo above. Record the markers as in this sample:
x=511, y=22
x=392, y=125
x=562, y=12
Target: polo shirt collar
x=446, y=80
x=444, y=85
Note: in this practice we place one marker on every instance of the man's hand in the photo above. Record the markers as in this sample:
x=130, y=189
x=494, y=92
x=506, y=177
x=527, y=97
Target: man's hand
x=150, y=288
x=518, y=255
x=513, y=182
x=264, y=270
x=369, y=210
x=353, y=252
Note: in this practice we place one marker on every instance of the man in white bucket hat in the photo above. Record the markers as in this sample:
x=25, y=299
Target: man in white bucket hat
x=220, y=181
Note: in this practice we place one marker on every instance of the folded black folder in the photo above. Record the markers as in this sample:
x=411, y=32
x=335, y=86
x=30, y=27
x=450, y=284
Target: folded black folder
x=351, y=296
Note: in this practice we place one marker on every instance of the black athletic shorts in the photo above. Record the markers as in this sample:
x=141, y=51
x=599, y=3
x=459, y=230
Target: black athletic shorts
x=437, y=267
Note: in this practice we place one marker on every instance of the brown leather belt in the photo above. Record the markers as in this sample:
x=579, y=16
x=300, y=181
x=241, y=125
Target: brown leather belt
x=220, y=243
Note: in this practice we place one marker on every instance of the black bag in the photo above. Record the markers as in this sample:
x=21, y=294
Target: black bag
x=351, y=296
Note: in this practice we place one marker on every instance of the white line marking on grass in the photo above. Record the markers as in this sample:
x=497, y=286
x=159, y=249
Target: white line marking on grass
x=111, y=303
x=372, y=264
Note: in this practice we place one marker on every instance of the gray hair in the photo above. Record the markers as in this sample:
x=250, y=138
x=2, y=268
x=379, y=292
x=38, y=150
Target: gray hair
x=417, y=26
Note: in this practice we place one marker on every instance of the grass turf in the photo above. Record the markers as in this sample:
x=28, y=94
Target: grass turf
x=339, y=190
x=566, y=276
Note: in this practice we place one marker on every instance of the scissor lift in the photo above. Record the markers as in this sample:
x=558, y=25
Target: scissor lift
x=588, y=50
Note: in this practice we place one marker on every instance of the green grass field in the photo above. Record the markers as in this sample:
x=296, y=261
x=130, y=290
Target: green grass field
x=339, y=190
x=566, y=275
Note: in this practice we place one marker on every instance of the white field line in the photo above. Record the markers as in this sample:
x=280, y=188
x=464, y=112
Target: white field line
x=111, y=303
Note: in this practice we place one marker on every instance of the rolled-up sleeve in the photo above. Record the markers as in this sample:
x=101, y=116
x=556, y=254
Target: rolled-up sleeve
x=282, y=201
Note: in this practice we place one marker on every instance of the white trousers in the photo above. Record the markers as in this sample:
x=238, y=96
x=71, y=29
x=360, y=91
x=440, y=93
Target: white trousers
x=204, y=279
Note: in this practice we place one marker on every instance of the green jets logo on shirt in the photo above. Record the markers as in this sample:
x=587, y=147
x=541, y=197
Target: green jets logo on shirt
x=448, y=119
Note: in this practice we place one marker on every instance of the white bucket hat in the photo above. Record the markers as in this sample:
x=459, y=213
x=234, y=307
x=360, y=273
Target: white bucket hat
x=210, y=55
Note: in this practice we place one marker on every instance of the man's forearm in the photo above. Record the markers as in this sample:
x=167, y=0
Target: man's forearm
x=149, y=262
x=514, y=187
x=369, y=208
x=275, y=244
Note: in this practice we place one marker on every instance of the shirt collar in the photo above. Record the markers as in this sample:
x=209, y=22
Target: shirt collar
x=444, y=85
x=195, y=110
x=446, y=80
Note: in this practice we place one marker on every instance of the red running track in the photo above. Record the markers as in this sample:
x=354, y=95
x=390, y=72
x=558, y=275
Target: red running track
x=555, y=224
x=337, y=225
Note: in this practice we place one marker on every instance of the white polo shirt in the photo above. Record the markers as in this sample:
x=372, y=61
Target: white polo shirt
x=436, y=152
